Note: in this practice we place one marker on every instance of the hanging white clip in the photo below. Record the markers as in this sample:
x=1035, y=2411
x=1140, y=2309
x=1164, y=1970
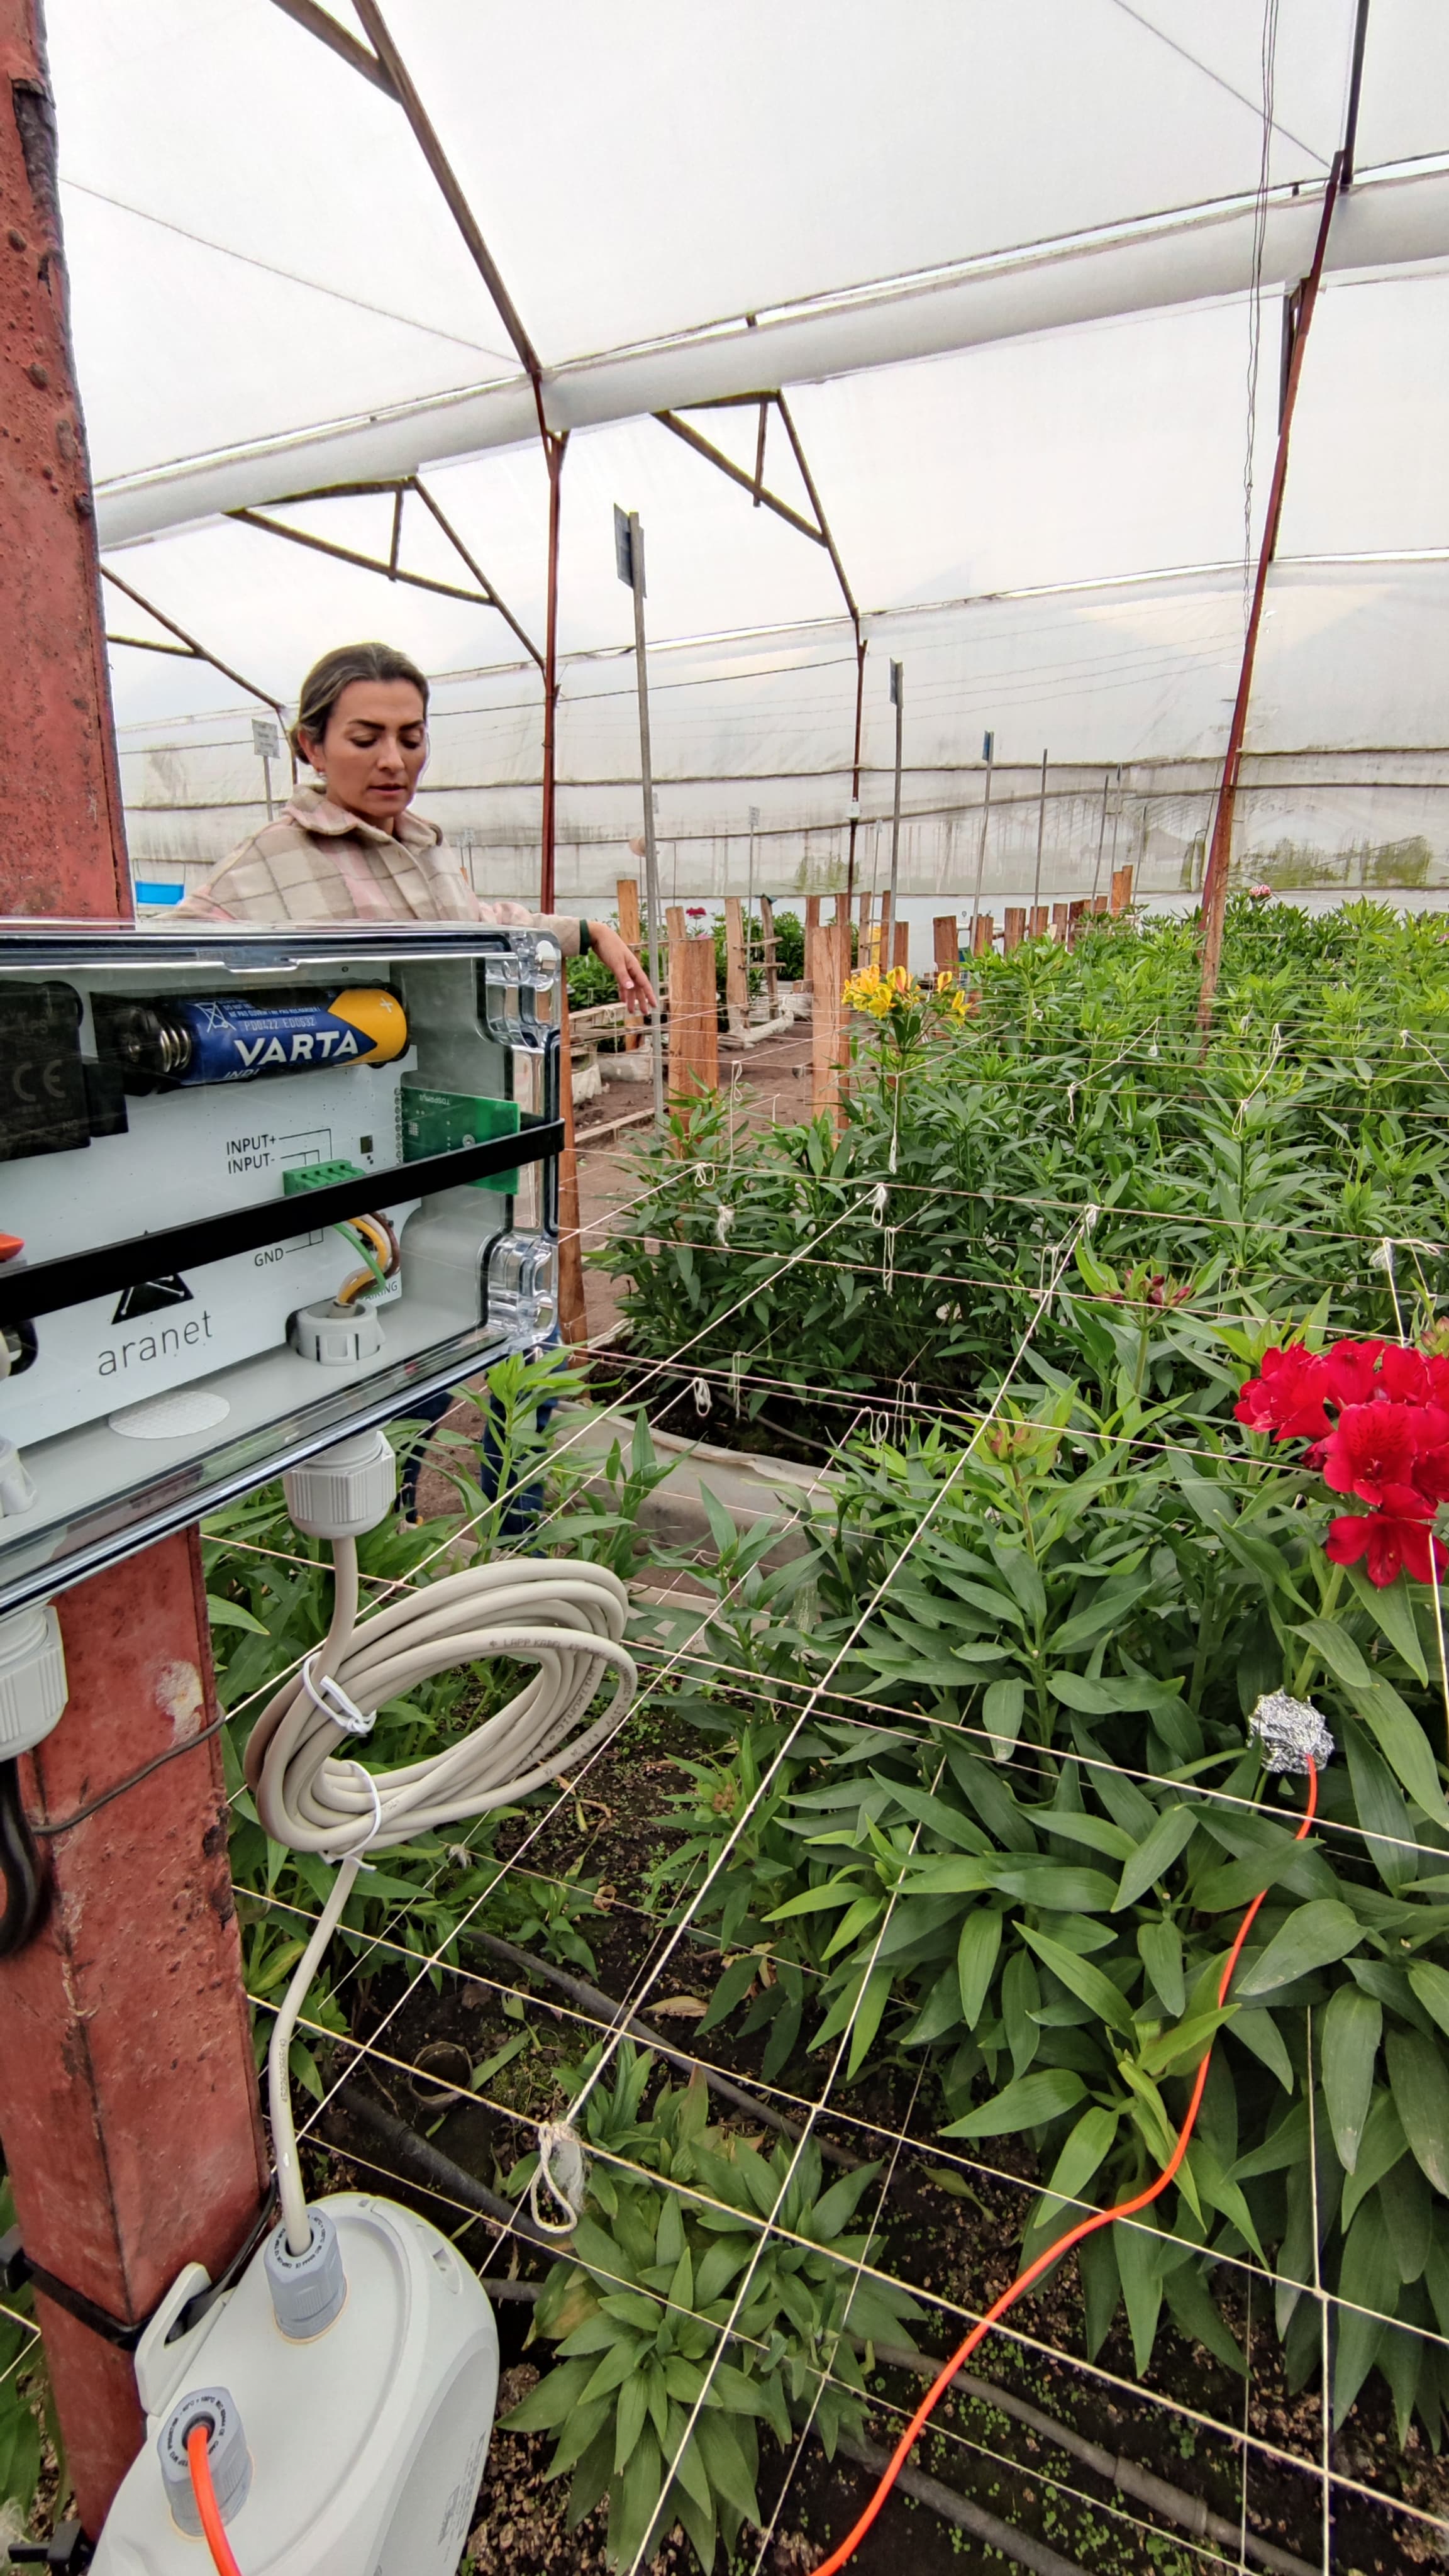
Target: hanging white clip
x=888, y=1259
x=1071, y=1104
x=724, y=1218
x=332, y=1699
x=703, y=1400
x=736, y=1368
x=1090, y=1215
x=879, y=1201
x=563, y=2173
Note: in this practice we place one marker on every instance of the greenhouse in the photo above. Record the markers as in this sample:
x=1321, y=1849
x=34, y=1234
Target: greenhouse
x=724, y=1826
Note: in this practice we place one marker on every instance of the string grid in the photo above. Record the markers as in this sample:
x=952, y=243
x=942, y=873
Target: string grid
x=826, y=1695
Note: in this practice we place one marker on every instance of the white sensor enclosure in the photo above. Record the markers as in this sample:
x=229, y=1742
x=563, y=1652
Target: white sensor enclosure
x=33, y=1689
x=367, y=2442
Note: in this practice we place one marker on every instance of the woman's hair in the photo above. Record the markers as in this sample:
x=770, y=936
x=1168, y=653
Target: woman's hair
x=335, y=672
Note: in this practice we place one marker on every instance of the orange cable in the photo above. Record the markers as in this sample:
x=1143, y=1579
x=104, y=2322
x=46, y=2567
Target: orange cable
x=198, y=2443
x=1063, y=2245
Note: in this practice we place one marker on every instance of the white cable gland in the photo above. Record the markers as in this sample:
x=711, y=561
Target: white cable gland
x=33, y=1688
x=335, y=1336
x=344, y=1490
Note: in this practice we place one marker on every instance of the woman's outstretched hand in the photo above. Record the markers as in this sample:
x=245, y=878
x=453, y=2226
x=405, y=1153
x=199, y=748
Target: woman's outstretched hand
x=635, y=990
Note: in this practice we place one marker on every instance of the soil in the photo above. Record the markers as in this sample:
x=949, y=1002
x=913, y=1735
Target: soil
x=963, y=2248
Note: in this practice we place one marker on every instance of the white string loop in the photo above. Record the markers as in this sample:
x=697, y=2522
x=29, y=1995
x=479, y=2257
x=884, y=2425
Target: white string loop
x=563, y=2173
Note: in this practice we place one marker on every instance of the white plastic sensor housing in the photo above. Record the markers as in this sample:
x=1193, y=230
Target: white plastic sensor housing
x=366, y=2442
x=344, y=1490
x=33, y=1689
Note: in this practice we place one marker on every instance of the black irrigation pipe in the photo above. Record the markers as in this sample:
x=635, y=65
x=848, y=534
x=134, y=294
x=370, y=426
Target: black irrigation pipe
x=590, y=1999
x=434, y=2171
x=1189, y=2512
x=967, y=2517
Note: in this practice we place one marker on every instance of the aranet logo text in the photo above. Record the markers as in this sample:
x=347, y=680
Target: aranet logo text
x=167, y=1344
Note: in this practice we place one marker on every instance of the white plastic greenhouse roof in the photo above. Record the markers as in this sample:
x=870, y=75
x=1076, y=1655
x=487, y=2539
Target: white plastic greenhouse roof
x=999, y=256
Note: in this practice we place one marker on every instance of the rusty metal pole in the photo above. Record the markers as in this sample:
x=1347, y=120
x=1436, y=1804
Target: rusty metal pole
x=573, y=1312
x=860, y=643
x=128, y=2109
x=1215, y=884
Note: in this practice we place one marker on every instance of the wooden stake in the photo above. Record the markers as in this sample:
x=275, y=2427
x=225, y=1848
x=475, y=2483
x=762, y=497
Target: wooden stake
x=945, y=942
x=1015, y=930
x=829, y=1035
x=1122, y=889
x=984, y=939
x=693, y=1018
x=902, y=955
x=1040, y=921
x=631, y=931
x=1061, y=922
x=767, y=942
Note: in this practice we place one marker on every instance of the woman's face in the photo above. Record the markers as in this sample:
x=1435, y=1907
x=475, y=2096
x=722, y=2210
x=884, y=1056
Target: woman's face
x=374, y=748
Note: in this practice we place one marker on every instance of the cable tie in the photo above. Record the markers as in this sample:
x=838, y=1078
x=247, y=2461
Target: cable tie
x=330, y=1697
x=562, y=2173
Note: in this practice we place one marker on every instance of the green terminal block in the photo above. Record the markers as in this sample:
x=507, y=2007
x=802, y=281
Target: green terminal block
x=441, y=1122
x=318, y=1176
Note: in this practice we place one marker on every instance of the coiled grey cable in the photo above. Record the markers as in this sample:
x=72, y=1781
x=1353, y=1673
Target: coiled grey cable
x=567, y=1619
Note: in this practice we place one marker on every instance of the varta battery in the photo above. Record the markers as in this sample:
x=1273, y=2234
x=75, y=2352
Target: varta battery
x=226, y=1038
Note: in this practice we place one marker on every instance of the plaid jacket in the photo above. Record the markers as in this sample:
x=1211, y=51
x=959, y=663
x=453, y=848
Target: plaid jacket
x=318, y=863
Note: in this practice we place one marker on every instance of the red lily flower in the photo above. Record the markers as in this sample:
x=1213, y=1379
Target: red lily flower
x=1351, y=1372
x=1388, y=1541
x=1286, y=1398
x=1372, y=1447
x=1404, y=1376
x=1431, y=1464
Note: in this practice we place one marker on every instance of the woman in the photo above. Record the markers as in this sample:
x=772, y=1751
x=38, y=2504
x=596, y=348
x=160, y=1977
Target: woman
x=352, y=849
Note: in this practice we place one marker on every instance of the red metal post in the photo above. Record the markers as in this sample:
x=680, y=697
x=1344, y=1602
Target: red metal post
x=1215, y=883
x=128, y=2108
